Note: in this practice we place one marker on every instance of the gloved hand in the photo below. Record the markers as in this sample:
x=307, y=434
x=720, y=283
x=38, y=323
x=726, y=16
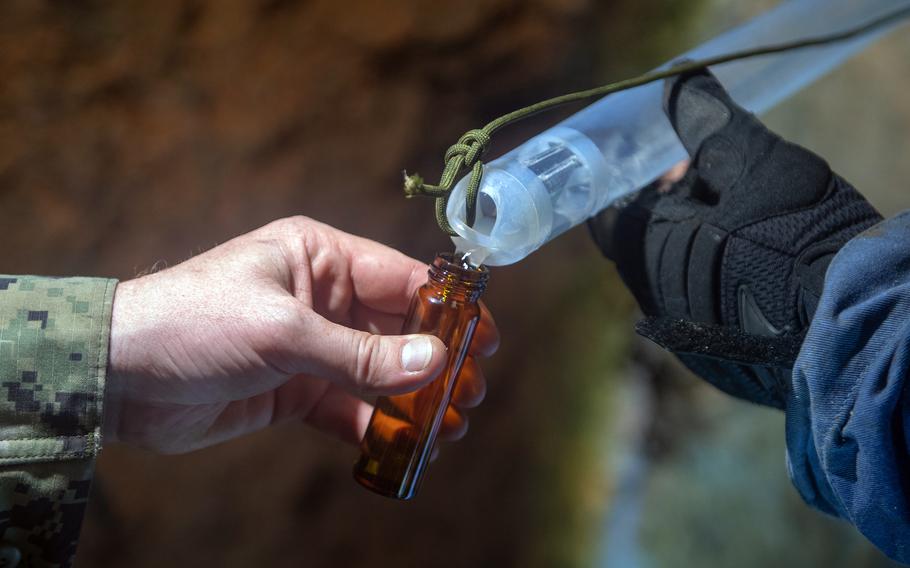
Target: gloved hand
x=728, y=265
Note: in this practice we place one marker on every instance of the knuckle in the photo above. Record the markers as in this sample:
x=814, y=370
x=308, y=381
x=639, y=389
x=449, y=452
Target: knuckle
x=287, y=226
x=368, y=360
x=417, y=277
x=296, y=221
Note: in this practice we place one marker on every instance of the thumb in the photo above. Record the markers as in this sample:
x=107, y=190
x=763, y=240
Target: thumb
x=698, y=107
x=715, y=131
x=745, y=168
x=367, y=363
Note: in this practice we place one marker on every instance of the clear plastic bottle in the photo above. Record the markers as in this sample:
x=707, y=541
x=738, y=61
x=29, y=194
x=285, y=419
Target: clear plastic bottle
x=622, y=142
x=402, y=431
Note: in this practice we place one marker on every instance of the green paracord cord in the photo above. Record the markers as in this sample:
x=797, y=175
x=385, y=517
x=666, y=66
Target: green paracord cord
x=467, y=152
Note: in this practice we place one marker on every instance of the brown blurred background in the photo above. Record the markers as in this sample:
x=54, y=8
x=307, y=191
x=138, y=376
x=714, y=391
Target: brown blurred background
x=137, y=133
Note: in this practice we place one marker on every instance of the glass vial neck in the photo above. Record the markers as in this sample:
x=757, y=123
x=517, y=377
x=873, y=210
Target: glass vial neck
x=455, y=277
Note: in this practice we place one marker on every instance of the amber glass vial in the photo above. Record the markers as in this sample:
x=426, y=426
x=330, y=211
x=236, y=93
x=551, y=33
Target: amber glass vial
x=402, y=431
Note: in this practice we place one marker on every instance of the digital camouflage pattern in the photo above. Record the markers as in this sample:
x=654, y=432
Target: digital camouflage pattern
x=54, y=335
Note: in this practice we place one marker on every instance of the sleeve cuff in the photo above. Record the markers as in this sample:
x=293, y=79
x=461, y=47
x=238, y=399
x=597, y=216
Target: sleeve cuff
x=54, y=336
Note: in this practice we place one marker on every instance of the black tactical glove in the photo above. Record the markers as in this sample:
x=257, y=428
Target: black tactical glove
x=729, y=264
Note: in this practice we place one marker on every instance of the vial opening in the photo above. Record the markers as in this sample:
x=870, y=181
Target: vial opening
x=459, y=266
x=457, y=276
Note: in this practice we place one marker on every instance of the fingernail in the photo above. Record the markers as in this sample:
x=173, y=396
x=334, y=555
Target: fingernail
x=416, y=354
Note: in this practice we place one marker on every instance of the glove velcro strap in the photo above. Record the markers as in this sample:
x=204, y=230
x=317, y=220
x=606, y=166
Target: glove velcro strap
x=750, y=367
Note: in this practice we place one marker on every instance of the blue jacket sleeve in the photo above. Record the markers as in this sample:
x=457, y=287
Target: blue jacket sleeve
x=848, y=416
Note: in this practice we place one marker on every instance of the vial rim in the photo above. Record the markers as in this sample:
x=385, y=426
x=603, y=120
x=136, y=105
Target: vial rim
x=458, y=277
x=445, y=262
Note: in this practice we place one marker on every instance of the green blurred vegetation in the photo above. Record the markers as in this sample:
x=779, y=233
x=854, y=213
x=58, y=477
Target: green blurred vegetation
x=591, y=317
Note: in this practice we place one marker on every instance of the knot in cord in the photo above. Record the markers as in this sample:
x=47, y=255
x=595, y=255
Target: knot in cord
x=464, y=154
x=471, y=146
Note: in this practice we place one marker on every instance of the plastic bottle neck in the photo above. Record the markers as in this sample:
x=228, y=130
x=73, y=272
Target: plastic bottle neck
x=452, y=277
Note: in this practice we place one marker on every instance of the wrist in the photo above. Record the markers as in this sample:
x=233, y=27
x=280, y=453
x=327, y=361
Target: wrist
x=118, y=357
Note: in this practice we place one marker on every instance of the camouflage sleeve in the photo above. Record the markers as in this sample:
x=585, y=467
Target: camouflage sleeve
x=54, y=335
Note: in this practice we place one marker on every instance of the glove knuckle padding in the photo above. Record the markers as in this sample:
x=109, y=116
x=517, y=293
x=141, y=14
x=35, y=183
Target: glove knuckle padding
x=768, y=284
x=673, y=268
x=622, y=236
x=770, y=255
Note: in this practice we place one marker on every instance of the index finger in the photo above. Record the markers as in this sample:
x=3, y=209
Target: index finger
x=383, y=278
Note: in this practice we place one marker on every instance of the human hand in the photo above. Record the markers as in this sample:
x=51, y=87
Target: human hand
x=729, y=262
x=289, y=322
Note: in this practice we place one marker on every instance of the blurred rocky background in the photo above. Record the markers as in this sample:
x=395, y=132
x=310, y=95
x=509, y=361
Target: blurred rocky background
x=137, y=133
